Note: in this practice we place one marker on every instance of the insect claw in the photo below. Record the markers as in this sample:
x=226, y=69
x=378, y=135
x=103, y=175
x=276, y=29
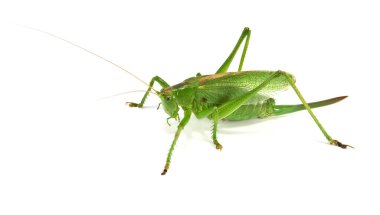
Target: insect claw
x=218, y=146
x=164, y=172
x=165, y=169
x=343, y=146
x=339, y=144
x=132, y=104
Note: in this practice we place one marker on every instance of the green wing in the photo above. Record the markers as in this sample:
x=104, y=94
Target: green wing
x=220, y=88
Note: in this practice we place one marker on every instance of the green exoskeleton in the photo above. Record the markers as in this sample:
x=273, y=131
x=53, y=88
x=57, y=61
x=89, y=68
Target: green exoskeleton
x=232, y=96
x=224, y=95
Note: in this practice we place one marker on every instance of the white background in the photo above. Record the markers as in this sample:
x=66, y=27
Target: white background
x=64, y=151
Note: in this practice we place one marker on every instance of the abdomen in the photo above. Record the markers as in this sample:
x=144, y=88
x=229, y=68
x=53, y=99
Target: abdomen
x=251, y=111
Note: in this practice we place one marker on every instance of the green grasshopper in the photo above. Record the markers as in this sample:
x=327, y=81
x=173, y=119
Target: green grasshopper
x=231, y=96
x=224, y=95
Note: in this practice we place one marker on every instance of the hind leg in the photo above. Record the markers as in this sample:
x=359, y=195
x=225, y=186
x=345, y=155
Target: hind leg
x=246, y=34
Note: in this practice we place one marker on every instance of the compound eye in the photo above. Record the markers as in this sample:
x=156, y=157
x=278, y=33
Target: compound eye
x=168, y=98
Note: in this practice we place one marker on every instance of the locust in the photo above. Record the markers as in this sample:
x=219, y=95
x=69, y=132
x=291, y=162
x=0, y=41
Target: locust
x=231, y=96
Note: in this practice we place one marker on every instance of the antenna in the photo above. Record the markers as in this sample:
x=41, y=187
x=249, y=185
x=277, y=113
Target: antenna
x=86, y=50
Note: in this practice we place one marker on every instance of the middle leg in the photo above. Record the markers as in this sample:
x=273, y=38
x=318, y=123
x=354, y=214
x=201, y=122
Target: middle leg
x=215, y=128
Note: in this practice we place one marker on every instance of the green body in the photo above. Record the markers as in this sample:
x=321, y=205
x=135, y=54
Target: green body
x=213, y=90
x=203, y=92
x=226, y=95
x=231, y=96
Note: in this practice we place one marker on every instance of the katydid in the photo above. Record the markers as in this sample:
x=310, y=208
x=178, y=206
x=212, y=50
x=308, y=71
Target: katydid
x=225, y=95
x=231, y=96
